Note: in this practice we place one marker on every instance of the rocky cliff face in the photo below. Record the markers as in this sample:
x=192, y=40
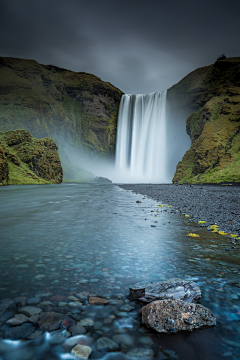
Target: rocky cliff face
x=212, y=96
x=77, y=110
x=26, y=160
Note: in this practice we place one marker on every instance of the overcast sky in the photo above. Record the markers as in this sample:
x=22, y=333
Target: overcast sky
x=140, y=46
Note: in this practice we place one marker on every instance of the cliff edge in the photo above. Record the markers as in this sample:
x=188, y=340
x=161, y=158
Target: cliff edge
x=26, y=160
x=76, y=109
x=212, y=95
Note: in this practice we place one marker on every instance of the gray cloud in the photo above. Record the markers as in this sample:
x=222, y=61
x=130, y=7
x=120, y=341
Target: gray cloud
x=139, y=46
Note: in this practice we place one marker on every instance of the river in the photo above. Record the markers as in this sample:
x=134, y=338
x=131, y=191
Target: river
x=70, y=238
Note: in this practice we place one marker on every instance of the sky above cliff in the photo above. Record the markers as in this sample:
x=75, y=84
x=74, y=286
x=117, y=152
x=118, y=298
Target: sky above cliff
x=139, y=46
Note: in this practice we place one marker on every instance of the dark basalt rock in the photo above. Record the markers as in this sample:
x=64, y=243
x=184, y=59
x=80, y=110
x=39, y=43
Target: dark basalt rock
x=171, y=316
x=19, y=332
x=187, y=291
x=49, y=321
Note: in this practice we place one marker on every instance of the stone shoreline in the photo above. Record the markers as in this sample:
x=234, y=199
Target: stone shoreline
x=215, y=204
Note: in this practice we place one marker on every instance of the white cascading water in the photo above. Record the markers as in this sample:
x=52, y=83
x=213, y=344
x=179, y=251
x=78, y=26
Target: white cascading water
x=141, y=138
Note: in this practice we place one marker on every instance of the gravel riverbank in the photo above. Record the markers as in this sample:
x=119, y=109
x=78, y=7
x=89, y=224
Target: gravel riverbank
x=215, y=204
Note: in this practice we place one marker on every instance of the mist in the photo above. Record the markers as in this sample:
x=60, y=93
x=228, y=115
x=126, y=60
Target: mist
x=156, y=155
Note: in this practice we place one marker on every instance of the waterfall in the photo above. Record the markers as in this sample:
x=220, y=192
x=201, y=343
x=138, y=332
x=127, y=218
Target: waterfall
x=141, y=138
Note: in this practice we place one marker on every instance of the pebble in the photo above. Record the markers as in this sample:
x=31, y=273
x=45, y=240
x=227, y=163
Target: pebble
x=106, y=344
x=33, y=301
x=30, y=310
x=19, y=319
x=140, y=353
x=82, y=351
x=86, y=322
x=77, y=330
x=97, y=301
x=18, y=332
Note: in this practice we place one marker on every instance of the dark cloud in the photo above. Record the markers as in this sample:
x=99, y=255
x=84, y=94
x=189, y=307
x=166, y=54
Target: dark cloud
x=139, y=46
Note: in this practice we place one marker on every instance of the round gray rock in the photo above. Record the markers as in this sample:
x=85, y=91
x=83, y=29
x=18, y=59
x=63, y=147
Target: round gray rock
x=171, y=316
x=187, y=291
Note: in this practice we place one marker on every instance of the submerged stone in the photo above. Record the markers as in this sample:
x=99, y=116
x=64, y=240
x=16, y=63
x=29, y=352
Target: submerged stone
x=97, y=301
x=171, y=316
x=19, y=332
x=187, y=291
x=140, y=353
x=19, y=319
x=106, y=344
x=82, y=351
x=49, y=321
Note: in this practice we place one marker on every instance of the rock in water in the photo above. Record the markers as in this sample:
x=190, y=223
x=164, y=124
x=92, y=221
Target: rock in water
x=82, y=351
x=187, y=291
x=171, y=316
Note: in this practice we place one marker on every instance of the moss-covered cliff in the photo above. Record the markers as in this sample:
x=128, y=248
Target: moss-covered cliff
x=26, y=160
x=212, y=93
x=77, y=110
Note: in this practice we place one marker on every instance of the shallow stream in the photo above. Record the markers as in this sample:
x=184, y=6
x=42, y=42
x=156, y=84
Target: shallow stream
x=70, y=238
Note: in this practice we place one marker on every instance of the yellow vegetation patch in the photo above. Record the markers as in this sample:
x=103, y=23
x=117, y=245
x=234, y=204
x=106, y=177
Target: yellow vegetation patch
x=222, y=233
x=192, y=235
x=213, y=227
x=168, y=205
x=233, y=235
x=160, y=205
x=187, y=216
x=202, y=222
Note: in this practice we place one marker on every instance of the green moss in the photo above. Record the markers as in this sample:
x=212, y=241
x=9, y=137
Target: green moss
x=57, y=103
x=28, y=160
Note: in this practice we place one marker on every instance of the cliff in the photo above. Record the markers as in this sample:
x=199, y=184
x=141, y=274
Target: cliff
x=212, y=96
x=26, y=160
x=77, y=110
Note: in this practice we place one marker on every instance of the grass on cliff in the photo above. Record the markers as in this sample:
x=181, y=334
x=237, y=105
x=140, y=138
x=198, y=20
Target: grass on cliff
x=22, y=175
x=214, y=156
x=51, y=102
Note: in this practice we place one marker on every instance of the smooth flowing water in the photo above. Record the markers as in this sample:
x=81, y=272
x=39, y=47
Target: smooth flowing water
x=70, y=238
x=141, y=138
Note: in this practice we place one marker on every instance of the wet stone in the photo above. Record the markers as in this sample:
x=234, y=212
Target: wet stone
x=30, y=310
x=97, y=301
x=140, y=353
x=77, y=330
x=124, y=340
x=35, y=335
x=20, y=301
x=46, y=303
x=106, y=344
x=33, y=301
x=127, y=307
x=82, y=351
x=18, y=332
x=49, y=321
x=86, y=322
x=19, y=319
x=58, y=337
x=171, y=316
x=185, y=290
x=33, y=319
x=75, y=304
x=57, y=298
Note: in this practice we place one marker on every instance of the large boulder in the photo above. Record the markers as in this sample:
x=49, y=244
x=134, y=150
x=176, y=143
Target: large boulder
x=187, y=291
x=171, y=316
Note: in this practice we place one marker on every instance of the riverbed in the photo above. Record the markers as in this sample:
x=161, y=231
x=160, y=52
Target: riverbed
x=62, y=240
